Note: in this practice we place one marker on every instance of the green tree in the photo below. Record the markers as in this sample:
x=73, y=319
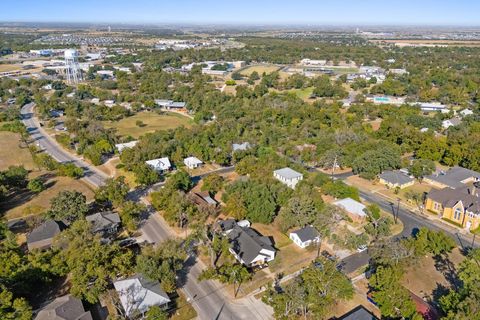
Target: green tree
x=392, y=298
x=421, y=168
x=90, y=264
x=114, y=191
x=13, y=308
x=213, y=183
x=130, y=214
x=145, y=175
x=68, y=205
x=156, y=313
x=36, y=185
x=69, y=170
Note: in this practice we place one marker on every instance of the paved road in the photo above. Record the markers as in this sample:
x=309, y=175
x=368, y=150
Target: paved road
x=45, y=142
x=207, y=297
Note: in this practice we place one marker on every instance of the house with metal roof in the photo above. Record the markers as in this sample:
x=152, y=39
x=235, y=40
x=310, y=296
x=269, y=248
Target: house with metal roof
x=288, y=176
x=354, y=209
x=137, y=294
x=192, y=162
x=127, y=145
x=241, y=146
x=396, y=179
x=42, y=236
x=160, y=164
x=249, y=247
x=305, y=236
x=64, y=308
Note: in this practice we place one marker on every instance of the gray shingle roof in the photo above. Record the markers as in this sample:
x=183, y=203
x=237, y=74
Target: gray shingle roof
x=64, y=308
x=395, y=177
x=454, y=177
x=247, y=243
x=151, y=285
x=306, y=233
x=103, y=220
x=288, y=173
x=47, y=230
x=226, y=225
x=359, y=313
x=449, y=197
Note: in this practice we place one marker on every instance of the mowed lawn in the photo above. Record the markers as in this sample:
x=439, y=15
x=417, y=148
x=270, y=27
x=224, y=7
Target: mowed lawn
x=11, y=152
x=151, y=122
x=260, y=69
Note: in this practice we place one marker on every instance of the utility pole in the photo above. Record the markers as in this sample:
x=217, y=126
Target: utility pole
x=398, y=210
x=334, y=165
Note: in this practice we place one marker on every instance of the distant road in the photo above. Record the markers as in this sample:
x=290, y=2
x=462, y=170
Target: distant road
x=91, y=174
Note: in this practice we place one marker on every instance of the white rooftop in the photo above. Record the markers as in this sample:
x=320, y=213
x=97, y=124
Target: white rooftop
x=160, y=164
x=192, y=160
x=288, y=173
x=126, y=145
x=351, y=206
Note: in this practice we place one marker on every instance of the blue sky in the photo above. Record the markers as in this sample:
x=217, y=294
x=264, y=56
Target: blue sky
x=318, y=12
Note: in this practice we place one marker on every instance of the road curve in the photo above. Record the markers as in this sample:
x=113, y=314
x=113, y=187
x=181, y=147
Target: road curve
x=207, y=297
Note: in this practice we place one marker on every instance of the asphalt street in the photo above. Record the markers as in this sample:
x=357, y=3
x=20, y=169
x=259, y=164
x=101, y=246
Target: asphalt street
x=207, y=297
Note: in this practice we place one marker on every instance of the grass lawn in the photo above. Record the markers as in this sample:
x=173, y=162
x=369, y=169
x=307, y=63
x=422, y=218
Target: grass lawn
x=260, y=69
x=11, y=153
x=152, y=121
x=184, y=310
x=281, y=240
x=303, y=94
x=25, y=205
x=9, y=67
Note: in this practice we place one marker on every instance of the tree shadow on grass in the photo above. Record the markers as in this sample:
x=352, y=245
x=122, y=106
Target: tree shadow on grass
x=444, y=265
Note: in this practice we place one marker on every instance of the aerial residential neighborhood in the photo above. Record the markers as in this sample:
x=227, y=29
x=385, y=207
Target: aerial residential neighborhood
x=257, y=160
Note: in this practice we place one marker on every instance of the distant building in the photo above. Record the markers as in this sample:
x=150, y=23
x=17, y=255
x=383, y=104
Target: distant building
x=396, y=179
x=451, y=122
x=354, y=209
x=432, y=107
x=170, y=104
x=466, y=112
x=42, y=236
x=160, y=165
x=192, y=162
x=137, y=294
x=398, y=71
x=455, y=177
x=310, y=62
x=127, y=145
x=241, y=146
x=64, y=308
x=305, y=236
x=288, y=177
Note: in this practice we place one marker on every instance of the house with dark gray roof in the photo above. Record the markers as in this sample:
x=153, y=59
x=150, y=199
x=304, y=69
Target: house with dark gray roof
x=455, y=177
x=104, y=223
x=358, y=313
x=137, y=294
x=249, y=247
x=64, y=308
x=461, y=205
x=396, y=179
x=305, y=236
x=288, y=176
x=42, y=236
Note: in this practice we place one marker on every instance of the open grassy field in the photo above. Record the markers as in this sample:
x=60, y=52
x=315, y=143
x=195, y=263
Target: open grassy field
x=25, y=205
x=9, y=67
x=11, y=154
x=151, y=122
x=260, y=69
x=303, y=94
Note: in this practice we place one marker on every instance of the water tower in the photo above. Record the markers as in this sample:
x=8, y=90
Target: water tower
x=72, y=68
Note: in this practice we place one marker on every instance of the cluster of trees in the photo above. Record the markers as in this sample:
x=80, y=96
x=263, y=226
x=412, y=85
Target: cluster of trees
x=390, y=258
x=312, y=294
